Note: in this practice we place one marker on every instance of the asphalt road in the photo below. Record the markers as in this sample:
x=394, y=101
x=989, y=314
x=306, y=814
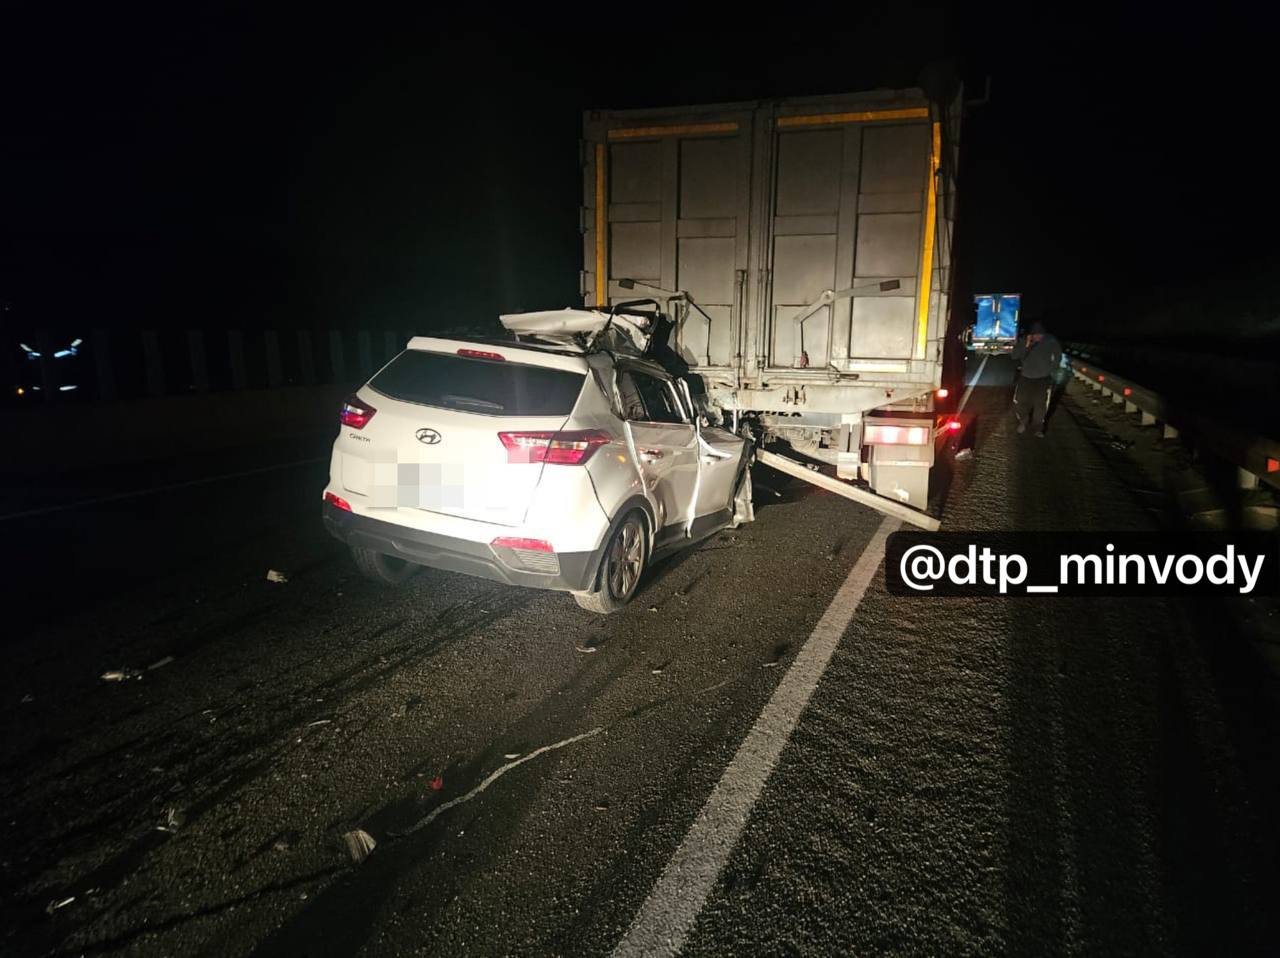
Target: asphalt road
x=1021, y=776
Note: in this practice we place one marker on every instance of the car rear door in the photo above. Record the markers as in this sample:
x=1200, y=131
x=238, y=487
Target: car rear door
x=459, y=432
x=666, y=445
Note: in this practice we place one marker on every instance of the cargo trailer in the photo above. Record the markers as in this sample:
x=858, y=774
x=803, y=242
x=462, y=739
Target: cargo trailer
x=803, y=248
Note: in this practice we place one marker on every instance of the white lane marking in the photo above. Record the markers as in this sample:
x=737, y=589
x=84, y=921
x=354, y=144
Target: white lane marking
x=977, y=378
x=137, y=493
x=494, y=776
x=667, y=916
x=1042, y=588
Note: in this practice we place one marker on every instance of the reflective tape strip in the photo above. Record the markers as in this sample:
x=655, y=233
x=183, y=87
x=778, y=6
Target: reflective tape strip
x=869, y=116
x=601, y=256
x=926, y=258
x=639, y=132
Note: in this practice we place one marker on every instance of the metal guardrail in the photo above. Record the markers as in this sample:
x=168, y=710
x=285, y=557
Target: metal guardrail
x=1256, y=458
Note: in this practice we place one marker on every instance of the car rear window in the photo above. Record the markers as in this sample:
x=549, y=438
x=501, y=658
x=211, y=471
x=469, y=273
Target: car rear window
x=487, y=386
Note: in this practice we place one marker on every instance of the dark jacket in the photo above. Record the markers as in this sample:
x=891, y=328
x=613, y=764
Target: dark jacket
x=1041, y=360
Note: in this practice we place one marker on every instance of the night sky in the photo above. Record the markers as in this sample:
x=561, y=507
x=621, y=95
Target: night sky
x=227, y=170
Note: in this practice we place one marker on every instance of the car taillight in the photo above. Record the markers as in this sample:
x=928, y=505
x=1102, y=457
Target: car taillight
x=895, y=435
x=953, y=425
x=481, y=354
x=356, y=413
x=562, y=448
x=338, y=501
x=516, y=542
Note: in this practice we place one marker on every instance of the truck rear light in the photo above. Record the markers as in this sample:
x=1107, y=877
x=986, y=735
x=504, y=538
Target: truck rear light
x=516, y=542
x=337, y=501
x=895, y=435
x=481, y=354
x=1273, y=465
x=562, y=448
x=942, y=393
x=356, y=413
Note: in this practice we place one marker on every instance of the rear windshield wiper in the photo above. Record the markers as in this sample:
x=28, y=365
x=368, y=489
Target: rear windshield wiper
x=471, y=401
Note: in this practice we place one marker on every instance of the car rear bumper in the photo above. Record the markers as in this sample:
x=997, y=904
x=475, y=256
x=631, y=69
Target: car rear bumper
x=576, y=569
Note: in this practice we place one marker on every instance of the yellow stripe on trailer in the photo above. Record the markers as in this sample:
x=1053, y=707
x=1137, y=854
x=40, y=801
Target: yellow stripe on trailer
x=601, y=252
x=688, y=129
x=869, y=116
x=926, y=257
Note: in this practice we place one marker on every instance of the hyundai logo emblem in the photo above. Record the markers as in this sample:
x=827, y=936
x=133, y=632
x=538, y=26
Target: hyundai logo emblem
x=428, y=436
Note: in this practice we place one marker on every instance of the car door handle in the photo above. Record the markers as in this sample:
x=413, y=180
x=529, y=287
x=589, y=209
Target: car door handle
x=650, y=455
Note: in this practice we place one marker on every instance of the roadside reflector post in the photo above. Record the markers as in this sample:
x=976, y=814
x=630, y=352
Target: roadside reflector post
x=1246, y=479
x=1148, y=419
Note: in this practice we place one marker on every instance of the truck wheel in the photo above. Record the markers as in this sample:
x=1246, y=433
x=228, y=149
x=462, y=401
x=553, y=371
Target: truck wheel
x=620, y=568
x=389, y=570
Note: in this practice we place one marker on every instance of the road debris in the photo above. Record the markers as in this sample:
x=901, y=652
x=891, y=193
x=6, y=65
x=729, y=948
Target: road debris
x=28, y=699
x=964, y=454
x=359, y=844
x=319, y=722
x=437, y=783
x=56, y=905
x=173, y=820
x=160, y=663
x=121, y=675
x=277, y=577
x=586, y=648
x=510, y=755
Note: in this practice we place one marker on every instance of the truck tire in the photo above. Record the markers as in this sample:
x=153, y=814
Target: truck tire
x=621, y=567
x=388, y=570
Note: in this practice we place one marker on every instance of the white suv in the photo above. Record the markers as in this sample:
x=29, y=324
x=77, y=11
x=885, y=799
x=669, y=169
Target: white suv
x=555, y=461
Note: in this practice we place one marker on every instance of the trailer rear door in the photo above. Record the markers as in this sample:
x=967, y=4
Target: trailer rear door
x=668, y=206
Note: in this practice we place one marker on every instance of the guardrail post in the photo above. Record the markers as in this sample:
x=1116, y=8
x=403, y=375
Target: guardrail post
x=366, y=353
x=275, y=374
x=1117, y=398
x=1148, y=419
x=336, y=359
x=155, y=364
x=199, y=368
x=1130, y=407
x=102, y=360
x=1169, y=432
x=306, y=359
x=1246, y=479
x=235, y=350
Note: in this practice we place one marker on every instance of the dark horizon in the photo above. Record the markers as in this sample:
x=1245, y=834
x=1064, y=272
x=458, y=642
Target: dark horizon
x=233, y=172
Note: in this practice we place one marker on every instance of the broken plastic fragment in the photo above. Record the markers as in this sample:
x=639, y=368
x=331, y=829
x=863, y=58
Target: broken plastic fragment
x=437, y=783
x=160, y=663
x=586, y=648
x=964, y=454
x=173, y=820
x=359, y=844
x=121, y=675
x=274, y=576
x=55, y=905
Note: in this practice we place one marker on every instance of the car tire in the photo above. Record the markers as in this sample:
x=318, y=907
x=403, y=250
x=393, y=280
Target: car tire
x=621, y=567
x=388, y=570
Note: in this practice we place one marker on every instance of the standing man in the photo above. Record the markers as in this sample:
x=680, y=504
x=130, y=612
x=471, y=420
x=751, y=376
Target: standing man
x=1040, y=355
